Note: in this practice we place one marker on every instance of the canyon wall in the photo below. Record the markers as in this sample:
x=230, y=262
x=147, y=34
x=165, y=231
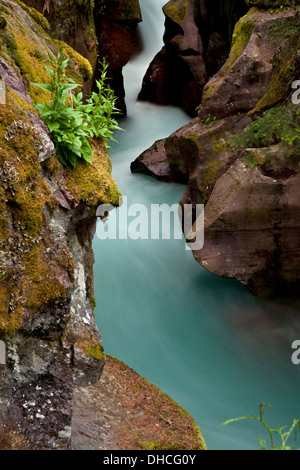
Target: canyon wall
x=100, y=29
x=197, y=42
x=48, y=218
x=116, y=28
x=51, y=356
x=240, y=157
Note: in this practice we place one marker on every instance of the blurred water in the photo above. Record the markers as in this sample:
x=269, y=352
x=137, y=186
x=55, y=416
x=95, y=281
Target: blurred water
x=205, y=341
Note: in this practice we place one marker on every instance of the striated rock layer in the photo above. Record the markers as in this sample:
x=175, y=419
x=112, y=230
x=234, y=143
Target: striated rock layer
x=249, y=184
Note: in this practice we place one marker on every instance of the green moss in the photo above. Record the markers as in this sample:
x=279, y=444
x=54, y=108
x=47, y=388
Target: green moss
x=27, y=52
x=241, y=35
x=192, y=137
x=283, y=29
x=40, y=278
x=3, y=22
x=23, y=104
x=95, y=350
x=210, y=89
x=220, y=146
x=93, y=184
x=81, y=66
x=91, y=346
x=277, y=125
x=176, y=10
x=210, y=174
x=42, y=285
x=161, y=445
x=10, y=321
x=8, y=45
x=35, y=15
x=285, y=67
x=267, y=4
x=130, y=10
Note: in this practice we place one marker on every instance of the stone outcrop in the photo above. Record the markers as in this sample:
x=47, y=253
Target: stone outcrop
x=197, y=42
x=48, y=217
x=248, y=180
x=116, y=28
x=71, y=22
x=96, y=29
x=123, y=411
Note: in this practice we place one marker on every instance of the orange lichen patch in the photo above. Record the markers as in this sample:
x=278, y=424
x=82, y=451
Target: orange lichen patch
x=151, y=419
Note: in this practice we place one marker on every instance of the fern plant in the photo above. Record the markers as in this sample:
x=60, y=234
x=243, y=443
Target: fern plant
x=282, y=432
x=71, y=121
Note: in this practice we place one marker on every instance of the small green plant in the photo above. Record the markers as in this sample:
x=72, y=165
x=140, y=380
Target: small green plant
x=71, y=121
x=283, y=434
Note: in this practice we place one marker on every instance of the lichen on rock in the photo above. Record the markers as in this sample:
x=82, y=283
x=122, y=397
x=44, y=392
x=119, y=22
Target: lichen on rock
x=47, y=222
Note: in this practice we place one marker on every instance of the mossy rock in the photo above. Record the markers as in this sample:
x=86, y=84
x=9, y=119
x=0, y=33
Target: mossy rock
x=176, y=10
x=42, y=273
x=26, y=46
x=268, y=4
x=286, y=68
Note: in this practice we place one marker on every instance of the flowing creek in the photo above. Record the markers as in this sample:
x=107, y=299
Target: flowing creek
x=205, y=341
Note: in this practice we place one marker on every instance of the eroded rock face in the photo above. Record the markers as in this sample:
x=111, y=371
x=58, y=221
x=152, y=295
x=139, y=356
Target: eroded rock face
x=97, y=30
x=71, y=22
x=252, y=211
x=197, y=42
x=245, y=77
x=48, y=217
x=116, y=27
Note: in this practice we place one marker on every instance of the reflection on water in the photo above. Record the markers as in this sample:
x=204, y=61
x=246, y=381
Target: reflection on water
x=205, y=341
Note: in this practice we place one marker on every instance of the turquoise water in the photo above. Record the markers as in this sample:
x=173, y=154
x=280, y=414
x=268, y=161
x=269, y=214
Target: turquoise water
x=205, y=341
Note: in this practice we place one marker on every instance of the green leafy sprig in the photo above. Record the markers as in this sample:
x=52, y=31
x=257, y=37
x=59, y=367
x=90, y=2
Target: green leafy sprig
x=72, y=122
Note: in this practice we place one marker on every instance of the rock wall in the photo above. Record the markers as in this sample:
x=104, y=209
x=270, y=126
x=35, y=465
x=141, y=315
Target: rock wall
x=116, y=28
x=197, y=42
x=96, y=29
x=249, y=189
x=71, y=22
x=46, y=228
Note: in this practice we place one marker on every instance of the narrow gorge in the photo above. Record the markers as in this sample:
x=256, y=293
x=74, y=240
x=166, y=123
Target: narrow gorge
x=207, y=113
